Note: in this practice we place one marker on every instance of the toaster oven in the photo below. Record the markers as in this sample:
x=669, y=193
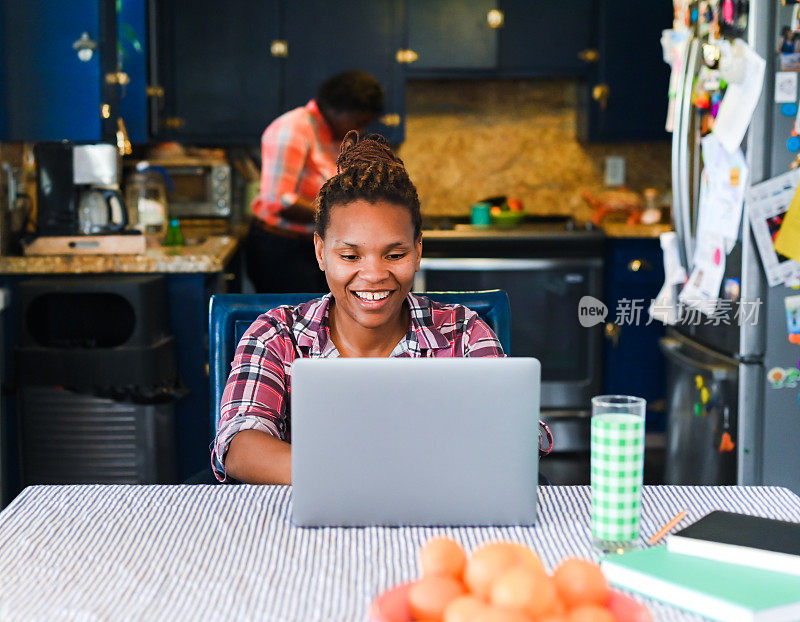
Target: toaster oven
x=196, y=187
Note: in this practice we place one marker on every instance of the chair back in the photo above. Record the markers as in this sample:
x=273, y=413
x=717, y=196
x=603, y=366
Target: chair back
x=230, y=315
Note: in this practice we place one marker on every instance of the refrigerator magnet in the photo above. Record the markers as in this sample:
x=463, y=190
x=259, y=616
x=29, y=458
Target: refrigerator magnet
x=792, y=305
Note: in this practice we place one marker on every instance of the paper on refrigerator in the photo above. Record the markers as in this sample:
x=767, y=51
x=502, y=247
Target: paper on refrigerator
x=722, y=188
x=766, y=205
x=787, y=241
x=740, y=99
x=701, y=290
x=664, y=307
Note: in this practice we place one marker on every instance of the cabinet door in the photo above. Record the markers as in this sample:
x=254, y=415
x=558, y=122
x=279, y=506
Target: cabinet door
x=47, y=92
x=325, y=38
x=451, y=35
x=630, y=71
x=220, y=80
x=544, y=38
x=132, y=61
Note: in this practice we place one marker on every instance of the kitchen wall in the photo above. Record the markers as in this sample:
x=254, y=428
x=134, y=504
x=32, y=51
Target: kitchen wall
x=469, y=139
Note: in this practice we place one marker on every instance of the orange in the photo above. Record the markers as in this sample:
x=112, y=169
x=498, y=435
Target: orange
x=580, y=582
x=590, y=613
x=430, y=595
x=525, y=590
x=489, y=561
x=443, y=556
x=467, y=608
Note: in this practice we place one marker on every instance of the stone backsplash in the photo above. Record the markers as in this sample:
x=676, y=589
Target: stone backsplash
x=470, y=139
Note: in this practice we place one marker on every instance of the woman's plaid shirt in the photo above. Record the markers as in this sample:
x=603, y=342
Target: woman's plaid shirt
x=256, y=395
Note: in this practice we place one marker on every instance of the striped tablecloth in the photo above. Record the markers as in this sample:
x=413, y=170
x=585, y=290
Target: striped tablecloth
x=231, y=552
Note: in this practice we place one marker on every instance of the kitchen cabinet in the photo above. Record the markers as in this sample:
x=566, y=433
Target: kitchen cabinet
x=62, y=75
x=633, y=363
x=451, y=35
x=544, y=38
x=625, y=95
x=216, y=71
x=345, y=35
x=497, y=38
x=225, y=81
x=49, y=89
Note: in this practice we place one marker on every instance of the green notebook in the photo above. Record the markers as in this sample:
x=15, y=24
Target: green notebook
x=714, y=589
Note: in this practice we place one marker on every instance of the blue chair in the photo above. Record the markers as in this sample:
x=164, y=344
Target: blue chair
x=230, y=315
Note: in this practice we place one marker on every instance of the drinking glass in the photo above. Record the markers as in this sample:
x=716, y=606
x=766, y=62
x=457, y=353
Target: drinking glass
x=617, y=466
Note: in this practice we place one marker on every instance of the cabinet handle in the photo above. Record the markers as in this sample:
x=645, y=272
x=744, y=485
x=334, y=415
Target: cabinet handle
x=600, y=94
x=391, y=119
x=612, y=331
x=279, y=48
x=589, y=56
x=495, y=19
x=155, y=91
x=85, y=47
x=118, y=77
x=637, y=265
x=174, y=123
x=405, y=57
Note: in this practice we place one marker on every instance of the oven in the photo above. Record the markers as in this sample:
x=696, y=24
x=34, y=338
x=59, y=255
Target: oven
x=545, y=280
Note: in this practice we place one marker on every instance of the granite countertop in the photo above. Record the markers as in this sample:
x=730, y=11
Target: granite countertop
x=623, y=230
x=205, y=251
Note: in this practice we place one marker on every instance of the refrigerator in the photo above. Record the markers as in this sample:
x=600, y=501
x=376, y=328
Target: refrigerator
x=733, y=415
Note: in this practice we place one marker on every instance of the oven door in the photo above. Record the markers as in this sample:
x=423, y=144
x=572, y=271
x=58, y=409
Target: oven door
x=544, y=296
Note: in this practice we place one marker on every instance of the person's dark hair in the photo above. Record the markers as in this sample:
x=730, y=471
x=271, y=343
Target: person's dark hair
x=367, y=169
x=352, y=91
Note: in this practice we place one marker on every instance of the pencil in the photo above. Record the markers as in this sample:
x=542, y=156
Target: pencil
x=666, y=528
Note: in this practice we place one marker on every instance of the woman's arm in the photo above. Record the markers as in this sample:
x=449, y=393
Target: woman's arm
x=255, y=457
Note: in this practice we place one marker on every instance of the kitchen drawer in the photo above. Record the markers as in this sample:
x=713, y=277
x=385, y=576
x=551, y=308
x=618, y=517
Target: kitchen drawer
x=635, y=262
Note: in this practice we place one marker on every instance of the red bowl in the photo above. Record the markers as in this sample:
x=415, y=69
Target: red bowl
x=392, y=606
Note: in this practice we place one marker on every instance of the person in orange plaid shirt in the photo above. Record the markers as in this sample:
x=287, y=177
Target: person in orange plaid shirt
x=298, y=153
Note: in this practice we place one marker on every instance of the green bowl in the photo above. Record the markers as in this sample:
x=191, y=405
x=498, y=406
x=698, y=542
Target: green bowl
x=507, y=218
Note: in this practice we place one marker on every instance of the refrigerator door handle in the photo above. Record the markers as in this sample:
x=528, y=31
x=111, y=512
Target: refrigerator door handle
x=685, y=203
x=672, y=349
x=677, y=155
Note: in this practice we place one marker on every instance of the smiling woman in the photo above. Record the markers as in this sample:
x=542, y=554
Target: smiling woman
x=368, y=242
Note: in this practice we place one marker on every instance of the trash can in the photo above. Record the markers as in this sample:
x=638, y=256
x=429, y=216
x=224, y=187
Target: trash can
x=97, y=377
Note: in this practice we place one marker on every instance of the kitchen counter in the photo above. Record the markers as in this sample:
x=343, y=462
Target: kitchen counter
x=623, y=230
x=206, y=251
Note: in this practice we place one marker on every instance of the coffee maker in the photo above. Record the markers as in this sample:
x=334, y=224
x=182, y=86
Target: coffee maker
x=77, y=189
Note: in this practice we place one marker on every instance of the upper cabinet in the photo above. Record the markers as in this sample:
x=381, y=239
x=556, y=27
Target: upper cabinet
x=497, y=38
x=223, y=80
x=625, y=95
x=202, y=71
x=450, y=35
x=217, y=69
x=545, y=37
x=344, y=35
x=59, y=71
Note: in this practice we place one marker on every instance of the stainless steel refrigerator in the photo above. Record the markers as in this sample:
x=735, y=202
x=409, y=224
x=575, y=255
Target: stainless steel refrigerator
x=717, y=375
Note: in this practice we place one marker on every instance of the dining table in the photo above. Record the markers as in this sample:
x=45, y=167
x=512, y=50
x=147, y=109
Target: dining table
x=231, y=552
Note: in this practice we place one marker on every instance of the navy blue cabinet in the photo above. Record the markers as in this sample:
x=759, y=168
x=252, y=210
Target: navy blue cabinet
x=325, y=38
x=63, y=75
x=545, y=38
x=216, y=75
x=633, y=363
x=451, y=35
x=50, y=90
x=625, y=96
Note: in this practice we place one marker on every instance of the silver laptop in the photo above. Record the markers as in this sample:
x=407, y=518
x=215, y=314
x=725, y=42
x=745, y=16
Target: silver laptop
x=403, y=441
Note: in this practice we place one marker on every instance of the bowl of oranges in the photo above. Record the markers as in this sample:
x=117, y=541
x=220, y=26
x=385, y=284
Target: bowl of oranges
x=503, y=582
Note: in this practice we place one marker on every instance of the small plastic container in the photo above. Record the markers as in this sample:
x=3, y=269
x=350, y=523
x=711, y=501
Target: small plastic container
x=174, y=235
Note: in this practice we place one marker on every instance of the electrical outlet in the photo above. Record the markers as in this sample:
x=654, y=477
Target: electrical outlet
x=615, y=171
